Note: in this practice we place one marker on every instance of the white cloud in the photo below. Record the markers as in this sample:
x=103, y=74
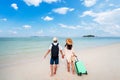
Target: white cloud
x=17, y=28
x=12, y=32
x=27, y=27
x=108, y=21
x=53, y=30
x=33, y=2
x=50, y=1
x=40, y=32
x=111, y=29
x=62, y=10
x=106, y=0
x=37, y=2
x=89, y=3
x=47, y=18
x=111, y=5
x=3, y=19
x=69, y=27
x=88, y=13
x=108, y=17
x=14, y=5
x=88, y=28
x=0, y=31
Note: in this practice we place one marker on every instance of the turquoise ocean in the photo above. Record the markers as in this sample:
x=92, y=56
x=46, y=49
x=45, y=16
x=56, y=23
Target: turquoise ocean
x=20, y=48
x=39, y=45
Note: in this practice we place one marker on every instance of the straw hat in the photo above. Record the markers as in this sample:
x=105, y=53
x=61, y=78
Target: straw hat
x=54, y=39
x=69, y=41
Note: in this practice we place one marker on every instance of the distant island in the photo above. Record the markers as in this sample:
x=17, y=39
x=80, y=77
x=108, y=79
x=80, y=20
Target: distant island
x=89, y=36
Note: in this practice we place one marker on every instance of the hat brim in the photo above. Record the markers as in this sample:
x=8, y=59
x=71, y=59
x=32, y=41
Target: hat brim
x=69, y=42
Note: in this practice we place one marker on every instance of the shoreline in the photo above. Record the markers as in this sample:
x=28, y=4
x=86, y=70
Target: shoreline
x=101, y=63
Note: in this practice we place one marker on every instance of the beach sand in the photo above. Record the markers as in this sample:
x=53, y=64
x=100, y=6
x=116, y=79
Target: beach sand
x=102, y=63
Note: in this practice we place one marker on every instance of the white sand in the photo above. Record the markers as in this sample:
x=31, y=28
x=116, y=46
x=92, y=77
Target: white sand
x=102, y=63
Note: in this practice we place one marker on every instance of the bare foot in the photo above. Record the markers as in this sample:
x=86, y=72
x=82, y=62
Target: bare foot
x=54, y=73
x=68, y=70
x=73, y=72
x=51, y=75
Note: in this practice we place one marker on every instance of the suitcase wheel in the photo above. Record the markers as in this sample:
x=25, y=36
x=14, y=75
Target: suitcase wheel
x=86, y=73
x=80, y=74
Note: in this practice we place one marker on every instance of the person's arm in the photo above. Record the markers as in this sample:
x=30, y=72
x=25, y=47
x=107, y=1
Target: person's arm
x=62, y=53
x=74, y=54
x=47, y=53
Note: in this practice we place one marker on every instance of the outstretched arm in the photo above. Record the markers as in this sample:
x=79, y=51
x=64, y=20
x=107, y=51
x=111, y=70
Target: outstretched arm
x=47, y=53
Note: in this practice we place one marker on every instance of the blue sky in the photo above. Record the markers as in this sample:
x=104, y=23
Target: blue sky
x=64, y=18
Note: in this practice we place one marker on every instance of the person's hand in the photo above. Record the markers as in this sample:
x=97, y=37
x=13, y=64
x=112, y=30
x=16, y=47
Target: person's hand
x=63, y=56
x=44, y=57
x=74, y=55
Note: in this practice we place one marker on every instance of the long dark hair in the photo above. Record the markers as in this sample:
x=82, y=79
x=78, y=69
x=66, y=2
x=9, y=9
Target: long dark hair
x=69, y=47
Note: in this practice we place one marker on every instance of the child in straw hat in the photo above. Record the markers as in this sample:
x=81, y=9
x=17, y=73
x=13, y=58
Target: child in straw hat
x=69, y=54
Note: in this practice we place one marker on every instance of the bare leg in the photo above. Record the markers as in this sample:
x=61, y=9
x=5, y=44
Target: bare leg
x=51, y=67
x=73, y=68
x=68, y=66
x=55, y=69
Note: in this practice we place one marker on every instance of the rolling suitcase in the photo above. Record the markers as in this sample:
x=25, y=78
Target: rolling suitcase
x=80, y=68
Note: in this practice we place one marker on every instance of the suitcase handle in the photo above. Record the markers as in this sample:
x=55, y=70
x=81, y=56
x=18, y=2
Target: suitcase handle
x=76, y=58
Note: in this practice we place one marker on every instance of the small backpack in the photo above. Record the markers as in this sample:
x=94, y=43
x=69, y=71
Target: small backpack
x=55, y=51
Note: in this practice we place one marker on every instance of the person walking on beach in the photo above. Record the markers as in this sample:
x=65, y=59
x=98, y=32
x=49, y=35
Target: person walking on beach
x=54, y=60
x=69, y=55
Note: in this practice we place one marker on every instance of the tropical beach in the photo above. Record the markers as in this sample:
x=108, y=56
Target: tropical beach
x=102, y=62
x=88, y=29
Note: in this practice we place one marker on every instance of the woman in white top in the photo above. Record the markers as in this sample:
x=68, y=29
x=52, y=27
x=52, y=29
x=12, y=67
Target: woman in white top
x=69, y=55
